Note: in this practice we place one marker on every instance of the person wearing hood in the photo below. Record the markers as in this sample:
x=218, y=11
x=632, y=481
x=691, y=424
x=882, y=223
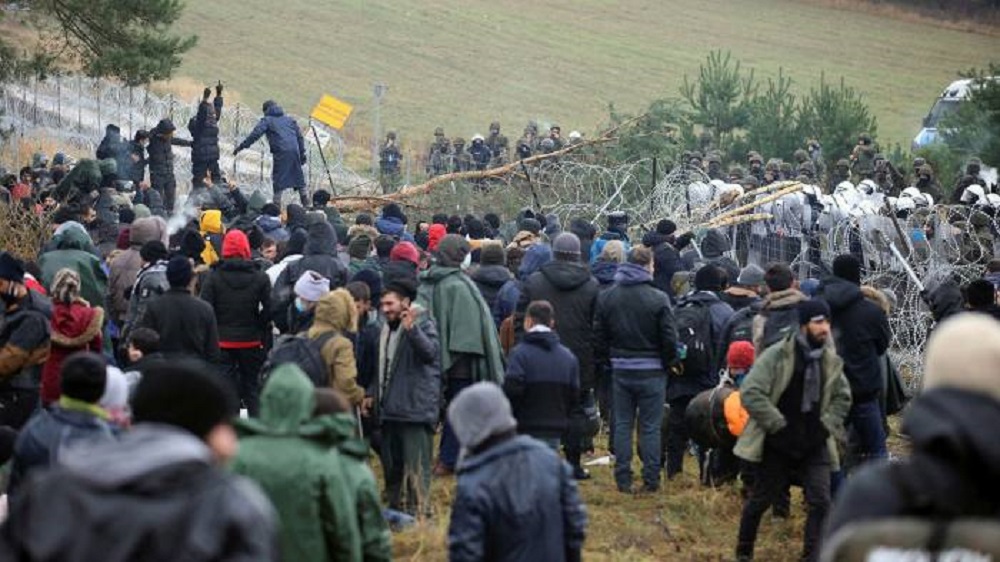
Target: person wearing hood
x=24, y=343
x=491, y=275
x=510, y=293
x=288, y=150
x=74, y=420
x=320, y=255
x=617, y=230
x=797, y=398
x=335, y=320
x=778, y=314
x=211, y=228
x=161, y=162
x=713, y=247
x=470, y=347
x=434, y=235
x=71, y=252
x=666, y=257
x=606, y=266
x=164, y=479
x=567, y=284
x=269, y=221
x=636, y=340
x=404, y=263
x=125, y=267
x=75, y=326
x=515, y=499
x=393, y=223
x=293, y=456
x=185, y=323
x=862, y=336
x=407, y=392
x=951, y=472
x=360, y=251
x=240, y=295
x=204, y=129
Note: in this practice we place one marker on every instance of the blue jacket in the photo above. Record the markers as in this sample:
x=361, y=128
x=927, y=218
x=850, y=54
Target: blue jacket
x=543, y=384
x=273, y=228
x=392, y=226
x=516, y=501
x=287, y=147
x=46, y=434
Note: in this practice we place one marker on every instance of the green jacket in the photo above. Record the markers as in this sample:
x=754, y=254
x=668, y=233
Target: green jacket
x=325, y=497
x=768, y=379
x=454, y=299
x=71, y=251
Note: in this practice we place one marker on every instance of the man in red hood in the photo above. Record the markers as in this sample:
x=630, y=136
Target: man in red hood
x=240, y=294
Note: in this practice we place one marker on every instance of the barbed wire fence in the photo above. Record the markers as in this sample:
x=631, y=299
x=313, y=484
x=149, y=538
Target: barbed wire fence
x=71, y=113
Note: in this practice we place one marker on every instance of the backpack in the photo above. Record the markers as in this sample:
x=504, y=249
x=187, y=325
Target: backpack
x=777, y=325
x=741, y=327
x=301, y=351
x=694, y=336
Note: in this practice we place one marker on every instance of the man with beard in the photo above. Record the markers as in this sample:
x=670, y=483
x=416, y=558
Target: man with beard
x=797, y=398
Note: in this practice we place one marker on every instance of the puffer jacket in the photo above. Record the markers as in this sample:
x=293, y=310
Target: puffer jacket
x=634, y=322
x=861, y=330
x=336, y=314
x=24, y=342
x=779, y=315
x=165, y=480
x=48, y=432
x=150, y=283
x=161, y=154
x=410, y=390
x=74, y=327
x=125, y=267
x=490, y=279
x=572, y=291
x=240, y=295
x=324, y=513
x=114, y=147
x=516, y=502
x=71, y=251
x=319, y=255
x=272, y=228
x=204, y=129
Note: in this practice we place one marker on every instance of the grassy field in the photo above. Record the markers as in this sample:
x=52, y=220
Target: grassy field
x=461, y=64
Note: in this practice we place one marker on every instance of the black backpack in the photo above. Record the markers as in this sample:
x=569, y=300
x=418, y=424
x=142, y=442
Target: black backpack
x=694, y=330
x=741, y=326
x=302, y=351
x=777, y=325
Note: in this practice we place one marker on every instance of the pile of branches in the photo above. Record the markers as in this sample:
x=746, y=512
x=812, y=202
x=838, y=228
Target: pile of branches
x=24, y=232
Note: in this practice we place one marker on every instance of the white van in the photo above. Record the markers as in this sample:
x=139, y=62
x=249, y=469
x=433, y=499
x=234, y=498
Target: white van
x=953, y=96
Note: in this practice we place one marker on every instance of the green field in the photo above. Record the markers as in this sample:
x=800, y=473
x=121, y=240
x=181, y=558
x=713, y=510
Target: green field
x=461, y=64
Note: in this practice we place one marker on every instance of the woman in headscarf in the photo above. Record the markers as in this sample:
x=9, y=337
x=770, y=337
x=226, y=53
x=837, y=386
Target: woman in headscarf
x=76, y=326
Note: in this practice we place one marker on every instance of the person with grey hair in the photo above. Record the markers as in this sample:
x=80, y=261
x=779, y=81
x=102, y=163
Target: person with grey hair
x=515, y=498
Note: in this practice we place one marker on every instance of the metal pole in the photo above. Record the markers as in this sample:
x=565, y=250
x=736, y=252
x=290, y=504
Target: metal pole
x=79, y=106
x=379, y=91
x=329, y=176
x=59, y=100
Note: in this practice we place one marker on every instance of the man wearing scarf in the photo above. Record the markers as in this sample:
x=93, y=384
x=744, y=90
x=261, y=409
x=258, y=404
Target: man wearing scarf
x=797, y=397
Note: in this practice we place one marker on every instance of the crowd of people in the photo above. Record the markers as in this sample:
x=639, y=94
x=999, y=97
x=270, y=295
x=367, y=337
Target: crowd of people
x=225, y=381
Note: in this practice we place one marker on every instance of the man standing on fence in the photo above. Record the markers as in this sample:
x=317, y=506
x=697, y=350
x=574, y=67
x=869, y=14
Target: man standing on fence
x=287, y=147
x=204, y=128
x=161, y=161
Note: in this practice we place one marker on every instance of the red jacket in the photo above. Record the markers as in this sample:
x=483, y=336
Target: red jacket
x=75, y=327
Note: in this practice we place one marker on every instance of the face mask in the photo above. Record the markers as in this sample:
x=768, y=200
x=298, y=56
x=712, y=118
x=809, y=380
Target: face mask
x=739, y=380
x=299, y=305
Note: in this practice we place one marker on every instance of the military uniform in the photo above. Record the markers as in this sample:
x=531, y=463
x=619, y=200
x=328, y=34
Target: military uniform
x=439, y=158
x=863, y=158
x=461, y=161
x=841, y=173
x=389, y=158
x=497, y=144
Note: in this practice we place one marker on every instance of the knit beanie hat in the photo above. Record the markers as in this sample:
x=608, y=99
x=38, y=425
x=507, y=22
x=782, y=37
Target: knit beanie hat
x=751, y=276
x=179, y=271
x=311, y=286
x=184, y=394
x=813, y=309
x=666, y=227
x=83, y=376
x=566, y=247
x=236, y=245
x=740, y=356
x=963, y=353
x=360, y=247
x=153, y=251
x=492, y=254
x=848, y=268
x=65, y=286
x=709, y=278
x=405, y=251
x=141, y=211
x=531, y=225
x=480, y=412
x=11, y=268
x=452, y=250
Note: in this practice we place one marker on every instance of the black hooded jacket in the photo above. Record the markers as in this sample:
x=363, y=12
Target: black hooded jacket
x=953, y=471
x=666, y=260
x=240, y=294
x=489, y=279
x=861, y=330
x=319, y=255
x=204, y=129
x=572, y=291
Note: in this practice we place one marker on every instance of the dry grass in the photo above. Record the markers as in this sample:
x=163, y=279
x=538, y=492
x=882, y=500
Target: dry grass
x=983, y=24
